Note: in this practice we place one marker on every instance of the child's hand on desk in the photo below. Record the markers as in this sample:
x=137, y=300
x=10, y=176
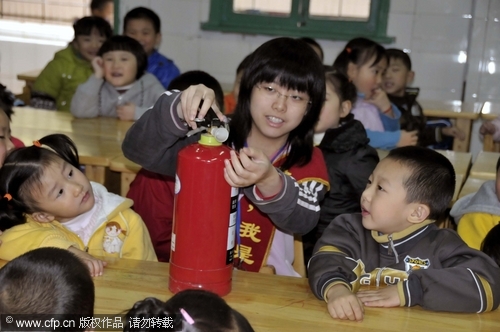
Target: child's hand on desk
x=96, y=266
x=453, y=132
x=408, y=138
x=252, y=167
x=98, y=65
x=126, y=111
x=487, y=128
x=384, y=297
x=343, y=304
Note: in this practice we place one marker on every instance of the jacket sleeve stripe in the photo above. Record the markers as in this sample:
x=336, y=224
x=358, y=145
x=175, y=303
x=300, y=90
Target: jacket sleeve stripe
x=479, y=291
x=487, y=292
x=330, y=249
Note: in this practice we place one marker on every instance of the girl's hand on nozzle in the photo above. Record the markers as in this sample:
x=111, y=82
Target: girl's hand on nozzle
x=98, y=65
x=96, y=266
x=252, y=167
x=408, y=138
x=189, y=107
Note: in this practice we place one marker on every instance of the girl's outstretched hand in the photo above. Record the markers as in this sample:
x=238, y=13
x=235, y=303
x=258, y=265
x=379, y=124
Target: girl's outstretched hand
x=252, y=167
x=98, y=65
x=96, y=266
x=189, y=107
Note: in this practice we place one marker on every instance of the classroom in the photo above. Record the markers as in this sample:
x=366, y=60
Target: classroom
x=364, y=199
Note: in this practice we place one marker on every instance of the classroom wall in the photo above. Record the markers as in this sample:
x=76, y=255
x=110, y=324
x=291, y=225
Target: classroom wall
x=435, y=32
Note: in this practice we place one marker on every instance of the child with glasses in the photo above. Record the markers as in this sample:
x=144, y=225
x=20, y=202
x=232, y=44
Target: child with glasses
x=282, y=176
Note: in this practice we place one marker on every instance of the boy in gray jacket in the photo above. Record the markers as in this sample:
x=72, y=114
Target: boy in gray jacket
x=394, y=243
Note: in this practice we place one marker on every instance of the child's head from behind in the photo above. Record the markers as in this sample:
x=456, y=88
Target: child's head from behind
x=5, y=114
x=46, y=281
x=193, y=77
x=239, y=74
x=315, y=46
x=90, y=33
x=398, y=74
x=340, y=96
x=143, y=25
x=363, y=61
x=103, y=9
x=195, y=310
x=497, y=185
x=124, y=60
x=491, y=244
x=281, y=94
x=407, y=187
x=44, y=181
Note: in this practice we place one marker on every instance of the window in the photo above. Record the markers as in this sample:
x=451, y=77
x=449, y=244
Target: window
x=324, y=19
x=46, y=11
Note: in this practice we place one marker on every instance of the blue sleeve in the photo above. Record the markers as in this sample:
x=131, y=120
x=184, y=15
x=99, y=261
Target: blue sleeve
x=391, y=124
x=383, y=139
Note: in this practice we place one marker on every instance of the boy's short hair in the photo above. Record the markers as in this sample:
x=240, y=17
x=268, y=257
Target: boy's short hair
x=99, y=4
x=145, y=14
x=344, y=88
x=244, y=64
x=6, y=101
x=432, y=179
x=84, y=26
x=185, y=80
x=491, y=244
x=128, y=44
x=313, y=42
x=397, y=54
x=46, y=281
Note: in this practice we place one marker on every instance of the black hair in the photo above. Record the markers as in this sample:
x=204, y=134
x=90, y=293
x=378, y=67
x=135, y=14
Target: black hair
x=359, y=51
x=22, y=171
x=292, y=65
x=208, y=310
x=47, y=281
x=498, y=164
x=193, y=77
x=144, y=14
x=127, y=44
x=7, y=99
x=99, y=4
x=345, y=90
x=312, y=42
x=432, y=178
x=85, y=25
x=491, y=244
x=397, y=54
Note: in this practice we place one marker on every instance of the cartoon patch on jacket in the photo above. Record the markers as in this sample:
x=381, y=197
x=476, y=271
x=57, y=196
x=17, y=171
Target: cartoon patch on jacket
x=112, y=241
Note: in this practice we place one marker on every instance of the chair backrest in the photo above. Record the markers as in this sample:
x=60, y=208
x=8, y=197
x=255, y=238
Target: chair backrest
x=489, y=145
x=298, y=249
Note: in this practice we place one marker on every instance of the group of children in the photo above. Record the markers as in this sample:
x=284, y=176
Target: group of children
x=103, y=75
x=373, y=221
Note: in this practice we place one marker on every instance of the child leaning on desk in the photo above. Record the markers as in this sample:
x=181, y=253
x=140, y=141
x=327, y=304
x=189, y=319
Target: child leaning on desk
x=120, y=87
x=438, y=133
x=56, y=84
x=144, y=25
x=46, y=201
x=363, y=62
x=394, y=242
x=477, y=213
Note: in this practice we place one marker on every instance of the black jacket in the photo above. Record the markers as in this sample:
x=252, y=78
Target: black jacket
x=350, y=161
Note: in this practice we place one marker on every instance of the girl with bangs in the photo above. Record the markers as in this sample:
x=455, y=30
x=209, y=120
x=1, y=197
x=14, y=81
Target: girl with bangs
x=120, y=86
x=281, y=175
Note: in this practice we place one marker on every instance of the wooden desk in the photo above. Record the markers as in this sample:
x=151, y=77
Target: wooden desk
x=471, y=185
x=275, y=303
x=98, y=140
x=127, y=170
x=30, y=78
x=485, y=166
x=462, y=113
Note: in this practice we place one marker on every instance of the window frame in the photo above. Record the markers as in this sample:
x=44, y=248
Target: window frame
x=222, y=18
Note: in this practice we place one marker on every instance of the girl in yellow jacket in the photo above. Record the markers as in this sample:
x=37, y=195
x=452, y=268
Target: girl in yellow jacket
x=46, y=201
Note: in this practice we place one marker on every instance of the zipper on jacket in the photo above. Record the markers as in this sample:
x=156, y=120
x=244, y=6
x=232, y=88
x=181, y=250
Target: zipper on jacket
x=391, y=249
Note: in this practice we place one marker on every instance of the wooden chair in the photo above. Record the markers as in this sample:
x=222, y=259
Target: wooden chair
x=298, y=264
x=489, y=145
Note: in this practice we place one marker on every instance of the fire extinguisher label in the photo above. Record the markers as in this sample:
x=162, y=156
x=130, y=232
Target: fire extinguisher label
x=172, y=243
x=231, y=234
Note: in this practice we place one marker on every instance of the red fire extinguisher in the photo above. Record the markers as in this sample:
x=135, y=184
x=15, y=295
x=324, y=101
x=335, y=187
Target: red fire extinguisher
x=204, y=224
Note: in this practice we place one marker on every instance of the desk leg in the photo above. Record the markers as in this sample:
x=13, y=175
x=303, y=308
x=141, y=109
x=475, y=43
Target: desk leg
x=465, y=125
x=96, y=173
